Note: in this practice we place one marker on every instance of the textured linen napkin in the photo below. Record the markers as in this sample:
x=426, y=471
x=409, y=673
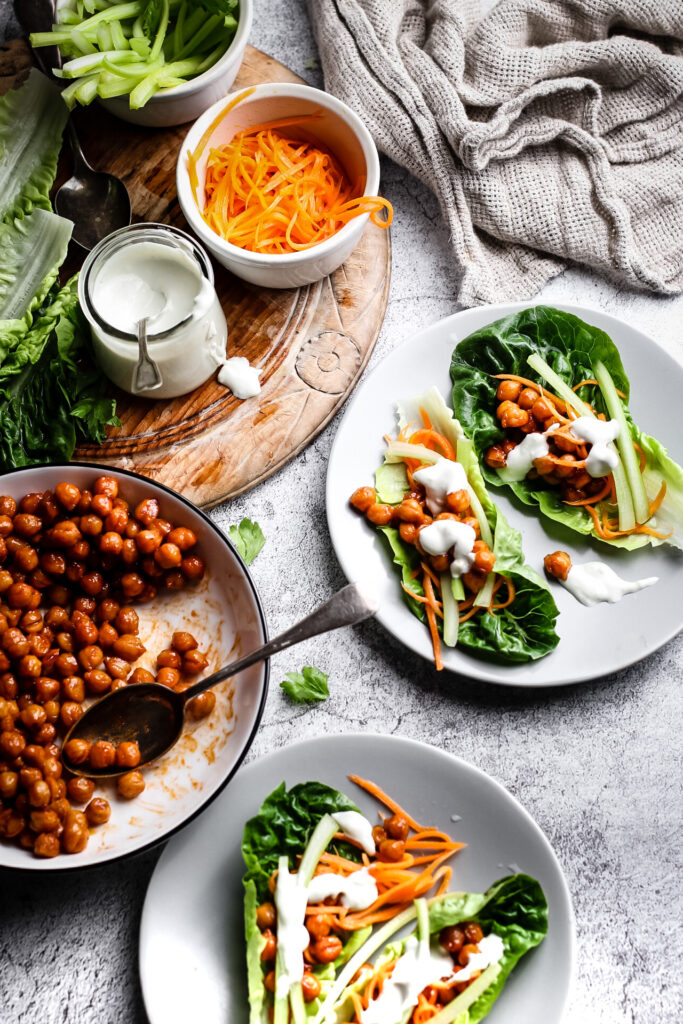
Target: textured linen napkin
x=550, y=130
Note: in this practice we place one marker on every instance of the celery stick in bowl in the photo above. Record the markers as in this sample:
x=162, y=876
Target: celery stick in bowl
x=150, y=62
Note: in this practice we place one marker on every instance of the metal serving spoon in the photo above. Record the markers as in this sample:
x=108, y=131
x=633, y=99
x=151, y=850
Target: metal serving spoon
x=97, y=203
x=152, y=715
x=147, y=376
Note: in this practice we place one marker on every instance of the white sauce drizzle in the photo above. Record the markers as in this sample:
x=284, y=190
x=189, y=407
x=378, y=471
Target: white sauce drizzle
x=240, y=377
x=417, y=968
x=443, y=478
x=439, y=537
x=292, y=937
x=598, y=433
x=491, y=949
x=521, y=459
x=357, y=827
x=594, y=582
x=357, y=891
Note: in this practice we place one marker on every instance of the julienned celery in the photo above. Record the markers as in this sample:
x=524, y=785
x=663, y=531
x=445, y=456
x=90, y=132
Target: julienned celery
x=461, y=1003
x=451, y=613
x=176, y=40
x=627, y=452
x=625, y=506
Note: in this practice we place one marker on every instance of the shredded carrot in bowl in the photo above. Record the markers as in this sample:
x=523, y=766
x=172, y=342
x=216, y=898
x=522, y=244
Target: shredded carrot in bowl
x=274, y=192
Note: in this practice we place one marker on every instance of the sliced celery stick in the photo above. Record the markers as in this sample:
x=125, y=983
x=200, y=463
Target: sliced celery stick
x=627, y=452
x=450, y=611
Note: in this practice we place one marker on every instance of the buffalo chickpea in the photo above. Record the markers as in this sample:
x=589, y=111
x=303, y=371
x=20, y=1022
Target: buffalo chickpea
x=468, y=950
x=163, y=526
x=77, y=751
x=116, y=521
x=102, y=754
x=201, y=705
x=74, y=838
x=168, y=677
x=265, y=916
x=34, y=755
x=63, y=535
x=106, y=485
x=8, y=506
x=194, y=662
x=326, y=949
x=92, y=582
x=132, y=584
x=33, y=716
x=118, y=684
x=45, y=734
x=473, y=932
x=174, y=580
x=57, y=788
x=31, y=622
x=452, y=938
x=310, y=987
x=29, y=666
x=127, y=620
x=91, y=525
x=14, y=643
x=168, y=556
x=60, y=805
x=117, y=667
x=410, y=511
x=458, y=501
x=319, y=925
x=27, y=525
x=378, y=834
x=11, y=823
x=69, y=713
x=183, y=642
x=90, y=657
x=111, y=543
x=147, y=511
x=26, y=560
x=380, y=514
x=85, y=631
x=6, y=526
x=129, y=647
x=484, y=559
x=39, y=794
x=98, y=811
x=169, y=659
x=97, y=681
x=129, y=552
x=363, y=498
x=6, y=580
x=269, y=981
x=527, y=397
x=147, y=541
x=439, y=563
x=269, y=947
x=46, y=845
x=127, y=755
x=68, y=495
x=511, y=415
x=508, y=390
x=44, y=821
x=193, y=567
x=12, y=742
x=558, y=564
x=101, y=505
x=408, y=532
x=80, y=790
x=9, y=782
x=397, y=827
x=130, y=785
x=107, y=636
x=52, y=710
x=182, y=537
x=65, y=642
x=391, y=850
x=141, y=675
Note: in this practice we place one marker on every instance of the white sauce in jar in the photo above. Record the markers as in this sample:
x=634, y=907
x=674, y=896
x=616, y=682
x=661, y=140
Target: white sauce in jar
x=445, y=535
x=357, y=891
x=594, y=582
x=240, y=377
x=356, y=826
x=417, y=968
x=439, y=480
x=291, y=898
x=599, y=434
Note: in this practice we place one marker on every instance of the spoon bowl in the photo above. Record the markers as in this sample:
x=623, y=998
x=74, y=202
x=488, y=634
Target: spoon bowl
x=152, y=715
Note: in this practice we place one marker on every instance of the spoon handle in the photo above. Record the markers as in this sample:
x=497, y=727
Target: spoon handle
x=349, y=605
x=80, y=163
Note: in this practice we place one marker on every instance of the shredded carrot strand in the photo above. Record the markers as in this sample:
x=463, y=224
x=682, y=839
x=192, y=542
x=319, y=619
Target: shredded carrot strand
x=425, y=419
x=590, y=381
x=510, y=598
x=429, y=438
x=595, y=498
x=472, y=612
x=642, y=456
x=379, y=794
x=532, y=384
x=654, y=505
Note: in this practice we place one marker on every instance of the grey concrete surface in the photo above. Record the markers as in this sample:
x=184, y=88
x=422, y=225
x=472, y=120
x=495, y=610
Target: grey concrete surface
x=597, y=765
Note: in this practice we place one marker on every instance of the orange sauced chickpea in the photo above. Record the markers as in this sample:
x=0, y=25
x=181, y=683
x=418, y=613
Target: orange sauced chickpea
x=558, y=564
x=74, y=563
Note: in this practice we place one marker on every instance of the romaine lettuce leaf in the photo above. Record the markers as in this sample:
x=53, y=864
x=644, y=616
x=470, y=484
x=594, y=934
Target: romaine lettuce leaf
x=32, y=119
x=570, y=347
x=32, y=250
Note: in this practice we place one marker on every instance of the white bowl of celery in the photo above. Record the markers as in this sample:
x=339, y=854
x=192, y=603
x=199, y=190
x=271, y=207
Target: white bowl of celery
x=152, y=62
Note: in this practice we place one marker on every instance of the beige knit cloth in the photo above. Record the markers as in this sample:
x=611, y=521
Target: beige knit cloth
x=550, y=130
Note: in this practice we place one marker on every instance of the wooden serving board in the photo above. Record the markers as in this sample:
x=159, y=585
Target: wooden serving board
x=312, y=342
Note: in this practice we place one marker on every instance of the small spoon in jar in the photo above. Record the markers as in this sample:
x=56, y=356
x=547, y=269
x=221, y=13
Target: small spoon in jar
x=152, y=715
x=146, y=376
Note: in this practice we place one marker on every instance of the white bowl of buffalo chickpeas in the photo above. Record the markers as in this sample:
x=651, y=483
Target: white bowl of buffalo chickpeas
x=108, y=579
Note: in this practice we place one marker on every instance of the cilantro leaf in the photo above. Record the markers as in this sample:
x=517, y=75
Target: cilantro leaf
x=307, y=686
x=248, y=539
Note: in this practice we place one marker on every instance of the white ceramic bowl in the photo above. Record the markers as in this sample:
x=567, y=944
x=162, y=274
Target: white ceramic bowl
x=224, y=614
x=339, y=129
x=185, y=102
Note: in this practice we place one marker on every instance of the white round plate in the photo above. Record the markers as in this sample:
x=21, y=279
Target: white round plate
x=224, y=614
x=593, y=641
x=192, y=962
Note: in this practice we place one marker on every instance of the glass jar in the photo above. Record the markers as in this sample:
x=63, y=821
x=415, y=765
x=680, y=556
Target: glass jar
x=159, y=272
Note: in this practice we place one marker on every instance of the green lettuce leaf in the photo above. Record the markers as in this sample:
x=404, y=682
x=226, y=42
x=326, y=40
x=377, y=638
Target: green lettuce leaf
x=255, y=943
x=32, y=119
x=248, y=538
x=32, y=250
x=514, y=908
x=570, y=347
x=307, y=686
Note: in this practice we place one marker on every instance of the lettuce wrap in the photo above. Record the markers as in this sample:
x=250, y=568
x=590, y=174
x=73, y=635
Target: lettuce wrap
x=573, y=351
x=285, y=826
x=514, y=909
x=525, y=629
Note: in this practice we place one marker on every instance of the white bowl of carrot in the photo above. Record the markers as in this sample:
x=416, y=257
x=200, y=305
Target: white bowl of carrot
x=279, y=182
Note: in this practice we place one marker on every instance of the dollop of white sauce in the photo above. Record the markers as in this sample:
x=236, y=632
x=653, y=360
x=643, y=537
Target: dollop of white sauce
x=439, y=480
x=594, y=582
x=356, y=826
x=415, y=969
x=148, y=279
x=491, y=949
x=357, y=891
x=599, y=434
x=520, y=460
x=291, y=898
x=445, y=535
x=240, y=377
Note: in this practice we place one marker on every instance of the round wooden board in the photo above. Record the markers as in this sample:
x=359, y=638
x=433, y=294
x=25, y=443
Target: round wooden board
x=312, y=343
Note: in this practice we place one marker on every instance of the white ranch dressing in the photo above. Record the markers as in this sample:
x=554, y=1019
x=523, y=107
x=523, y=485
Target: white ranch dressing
x=491, y=949
x=593, y=582
x=356, y=826
x=291, y=898
x=521, y=459
x=418, y=967
x=357, y=891
x=439, y=480
x=599, y=434
x=240, y=377
x=446, y=535
x=145, y=279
